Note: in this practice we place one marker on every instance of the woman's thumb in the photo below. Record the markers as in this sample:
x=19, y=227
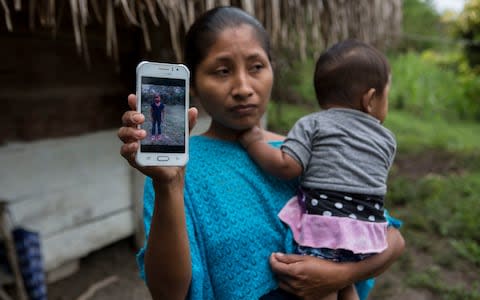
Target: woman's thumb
x=287, y=258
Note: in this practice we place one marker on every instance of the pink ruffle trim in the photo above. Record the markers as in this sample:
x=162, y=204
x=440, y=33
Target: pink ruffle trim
x=333, y=232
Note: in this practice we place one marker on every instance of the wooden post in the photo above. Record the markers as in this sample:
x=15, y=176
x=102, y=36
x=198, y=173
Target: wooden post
x=6, y=235
x=137, y=182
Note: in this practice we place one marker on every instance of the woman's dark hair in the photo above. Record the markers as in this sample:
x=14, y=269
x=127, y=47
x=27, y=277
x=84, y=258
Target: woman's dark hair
x=348, y=70
x=204, y=31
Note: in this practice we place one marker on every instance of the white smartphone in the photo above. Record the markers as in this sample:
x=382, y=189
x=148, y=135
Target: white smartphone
x=163, y=98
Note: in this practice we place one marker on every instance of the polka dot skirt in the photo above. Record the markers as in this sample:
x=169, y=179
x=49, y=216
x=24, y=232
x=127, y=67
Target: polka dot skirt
x=339, y=204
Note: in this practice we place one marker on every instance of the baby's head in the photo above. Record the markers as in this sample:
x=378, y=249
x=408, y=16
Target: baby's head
x=355, y=75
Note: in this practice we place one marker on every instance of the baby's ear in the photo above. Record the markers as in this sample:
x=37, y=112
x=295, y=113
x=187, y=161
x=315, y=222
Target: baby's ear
x=367, y=99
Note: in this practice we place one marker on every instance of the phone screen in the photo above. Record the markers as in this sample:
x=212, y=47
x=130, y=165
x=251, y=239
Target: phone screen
x=163, y=105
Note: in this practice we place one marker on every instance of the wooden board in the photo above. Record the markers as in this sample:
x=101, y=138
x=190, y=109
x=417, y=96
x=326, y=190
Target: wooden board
x=58, y=210
x=75, y=243
x=30, y=170
x=76, y=192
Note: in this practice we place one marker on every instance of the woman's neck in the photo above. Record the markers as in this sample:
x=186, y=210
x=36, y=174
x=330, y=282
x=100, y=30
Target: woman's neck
x=221, y=132
x=218, y=131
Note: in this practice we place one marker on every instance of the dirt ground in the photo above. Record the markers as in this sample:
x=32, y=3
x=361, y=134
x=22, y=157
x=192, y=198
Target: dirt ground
x=118, y=260
x=114, y=265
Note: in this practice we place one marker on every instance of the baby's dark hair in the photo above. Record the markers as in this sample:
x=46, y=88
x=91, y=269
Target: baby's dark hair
x=347, y=70
x=204, y=31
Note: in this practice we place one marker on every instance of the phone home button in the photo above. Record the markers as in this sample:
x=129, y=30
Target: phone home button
x=163, y=158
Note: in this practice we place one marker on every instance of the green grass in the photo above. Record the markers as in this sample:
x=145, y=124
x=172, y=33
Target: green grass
x=419, y=134
x=431, y=85
x=445, y=206
x=432, y=280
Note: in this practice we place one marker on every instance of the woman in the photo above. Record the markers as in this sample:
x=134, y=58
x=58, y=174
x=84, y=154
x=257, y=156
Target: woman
x=211, y=230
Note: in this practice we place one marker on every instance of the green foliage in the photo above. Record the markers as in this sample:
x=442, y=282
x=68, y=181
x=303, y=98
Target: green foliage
x=420, y=20
x=468, y=249
x=431, y=280
x=444, y=205
x=303, y=85
x=294, y=95
x=469, y=19
x=421, y=88
x=468, y=27
x=282, y=116
x=450, y=205
x=468, y=79
x=294, y=83
x=416, y=134
x=430, y=86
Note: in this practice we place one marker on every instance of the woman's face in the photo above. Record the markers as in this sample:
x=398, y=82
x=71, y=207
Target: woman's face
x=234, y=81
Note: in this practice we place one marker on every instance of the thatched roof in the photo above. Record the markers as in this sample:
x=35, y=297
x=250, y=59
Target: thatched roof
x=292, y=24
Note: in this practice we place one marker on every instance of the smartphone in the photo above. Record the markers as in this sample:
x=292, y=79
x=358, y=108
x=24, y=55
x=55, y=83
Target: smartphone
x=163, y=98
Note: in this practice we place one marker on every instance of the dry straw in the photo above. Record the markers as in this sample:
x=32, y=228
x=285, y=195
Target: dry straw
x=298, y=25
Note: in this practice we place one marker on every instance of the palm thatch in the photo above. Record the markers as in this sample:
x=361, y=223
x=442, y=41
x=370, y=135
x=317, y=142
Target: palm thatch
x=292, y=24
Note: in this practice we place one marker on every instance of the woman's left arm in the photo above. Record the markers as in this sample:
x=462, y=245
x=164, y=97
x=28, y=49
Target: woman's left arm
x=312, y=278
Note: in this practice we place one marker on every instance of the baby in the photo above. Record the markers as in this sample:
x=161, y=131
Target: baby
x=342, y=154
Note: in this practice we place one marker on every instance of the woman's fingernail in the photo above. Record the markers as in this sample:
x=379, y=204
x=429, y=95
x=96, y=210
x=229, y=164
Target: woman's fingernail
x=137, y=117
x=141, y=134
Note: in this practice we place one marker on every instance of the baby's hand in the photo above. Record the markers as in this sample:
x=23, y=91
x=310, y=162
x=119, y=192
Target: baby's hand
x=250, y=136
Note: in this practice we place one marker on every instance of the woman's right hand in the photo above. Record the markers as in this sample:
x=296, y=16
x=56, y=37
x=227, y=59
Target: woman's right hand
x=311, y=278
x=131, y=136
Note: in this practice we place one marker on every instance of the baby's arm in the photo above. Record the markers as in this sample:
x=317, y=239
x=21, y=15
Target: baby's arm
x=270, y=159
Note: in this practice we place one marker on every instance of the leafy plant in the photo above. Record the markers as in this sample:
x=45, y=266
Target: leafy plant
x=468, y=27
x=430, y=280
x=433, y=85
x=468, y=249
x=420, y=20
